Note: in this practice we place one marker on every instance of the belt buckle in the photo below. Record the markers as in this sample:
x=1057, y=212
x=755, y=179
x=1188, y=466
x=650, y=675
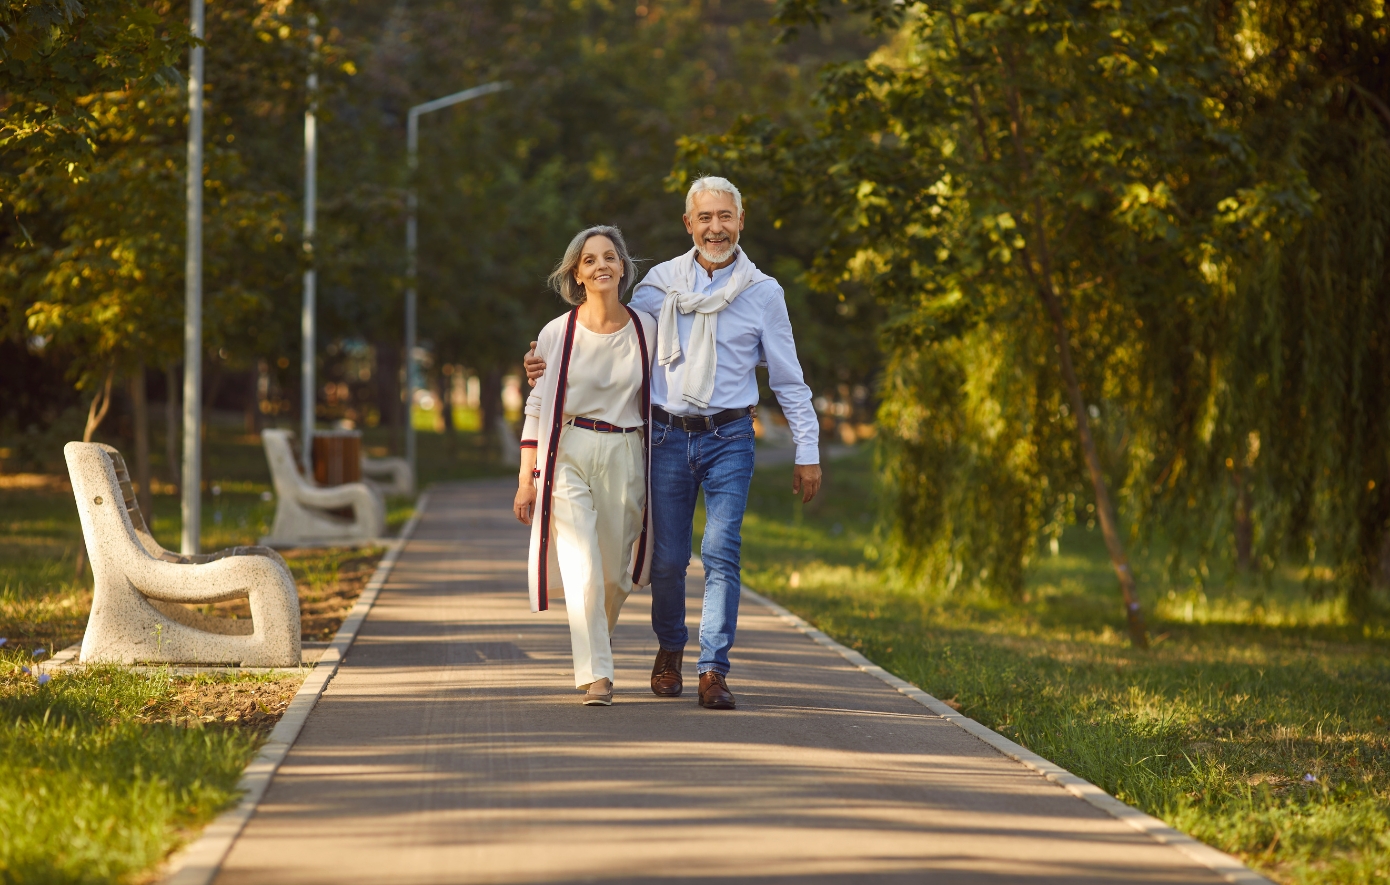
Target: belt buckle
x=709, y=422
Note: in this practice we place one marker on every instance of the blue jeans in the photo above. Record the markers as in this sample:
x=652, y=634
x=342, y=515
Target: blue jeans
x=721, y=462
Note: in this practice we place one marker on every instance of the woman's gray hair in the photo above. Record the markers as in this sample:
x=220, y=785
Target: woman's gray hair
x=562, y=279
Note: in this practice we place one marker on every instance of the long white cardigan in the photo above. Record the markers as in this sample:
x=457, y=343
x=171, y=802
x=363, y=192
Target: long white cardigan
x=547, y=403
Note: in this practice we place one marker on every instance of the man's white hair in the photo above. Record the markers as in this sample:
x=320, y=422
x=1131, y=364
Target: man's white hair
x=713, y=184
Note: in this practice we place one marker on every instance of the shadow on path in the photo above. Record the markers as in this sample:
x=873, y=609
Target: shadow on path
x=451, y=748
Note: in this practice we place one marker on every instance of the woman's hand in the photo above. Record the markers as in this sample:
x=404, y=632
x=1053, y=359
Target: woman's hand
x=525, y=504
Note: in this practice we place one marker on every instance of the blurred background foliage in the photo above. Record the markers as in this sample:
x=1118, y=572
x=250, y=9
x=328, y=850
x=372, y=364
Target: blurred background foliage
x=92, y=236
x=1118, y=263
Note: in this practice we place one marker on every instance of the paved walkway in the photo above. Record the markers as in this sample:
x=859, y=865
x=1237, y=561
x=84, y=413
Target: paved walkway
x=450, y=748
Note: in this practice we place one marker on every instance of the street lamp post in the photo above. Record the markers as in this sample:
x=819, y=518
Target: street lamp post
x=191, y=504
x=412, y=143
x=309, y=311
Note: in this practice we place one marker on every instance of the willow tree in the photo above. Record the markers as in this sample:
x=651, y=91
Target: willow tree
x=1005, y=184
x=1298, y=427
x=1134, y=255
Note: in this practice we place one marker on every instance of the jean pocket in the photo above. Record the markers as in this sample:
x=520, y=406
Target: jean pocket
x=659, y=432
x=735, y=430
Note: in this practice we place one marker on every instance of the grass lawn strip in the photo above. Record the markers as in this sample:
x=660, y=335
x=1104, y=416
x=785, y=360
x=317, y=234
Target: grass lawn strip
x=124, y=764
x=198, y=863
x=1256, y=724
x=1229, y=868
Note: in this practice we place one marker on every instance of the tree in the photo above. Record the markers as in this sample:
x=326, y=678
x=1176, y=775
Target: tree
x=1094, y=227
x=1300, y=412
x=95, y=252
x=55, y=54
x=601, y=94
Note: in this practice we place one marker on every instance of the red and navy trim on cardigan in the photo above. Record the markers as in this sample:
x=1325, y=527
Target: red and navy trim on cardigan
x=557, y=420
x=529, y=444
x=646, y=440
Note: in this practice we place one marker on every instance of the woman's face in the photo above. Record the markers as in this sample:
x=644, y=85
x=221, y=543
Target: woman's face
x=600, y=269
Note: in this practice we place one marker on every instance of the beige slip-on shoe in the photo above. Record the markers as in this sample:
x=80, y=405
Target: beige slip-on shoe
x=600, y=693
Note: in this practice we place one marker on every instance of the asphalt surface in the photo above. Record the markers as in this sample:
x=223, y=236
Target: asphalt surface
x=452, y=748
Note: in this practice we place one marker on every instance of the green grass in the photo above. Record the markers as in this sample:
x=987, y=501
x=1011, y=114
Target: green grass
x=103, y=772
x=91, y=789
x=92, y=792
x=1258, y=722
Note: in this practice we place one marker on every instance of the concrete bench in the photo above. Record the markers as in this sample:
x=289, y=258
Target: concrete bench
x=140, y=604
x=306, y=513
x=397, y=470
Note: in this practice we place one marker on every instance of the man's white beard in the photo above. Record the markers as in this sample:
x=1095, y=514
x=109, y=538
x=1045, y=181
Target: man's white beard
x=721, y=256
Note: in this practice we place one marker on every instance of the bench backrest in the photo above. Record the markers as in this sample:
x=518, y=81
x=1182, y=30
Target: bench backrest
x=132, y=507
x=102, y=504
x=284, y=466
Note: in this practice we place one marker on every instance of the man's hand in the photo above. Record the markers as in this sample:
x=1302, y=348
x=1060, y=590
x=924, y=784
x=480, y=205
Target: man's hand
x=535, y=366
x=806, y=481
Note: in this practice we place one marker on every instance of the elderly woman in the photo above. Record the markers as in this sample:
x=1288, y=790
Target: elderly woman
x=584, y=479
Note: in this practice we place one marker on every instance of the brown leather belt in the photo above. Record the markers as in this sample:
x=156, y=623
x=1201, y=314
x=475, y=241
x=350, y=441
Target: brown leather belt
x=700, y=423
x=600, y=426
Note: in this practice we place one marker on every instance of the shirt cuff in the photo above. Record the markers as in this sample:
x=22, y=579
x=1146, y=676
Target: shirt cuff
x=808, y=454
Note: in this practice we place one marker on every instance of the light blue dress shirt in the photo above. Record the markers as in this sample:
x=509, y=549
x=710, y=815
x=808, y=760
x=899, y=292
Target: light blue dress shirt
x=754, y=328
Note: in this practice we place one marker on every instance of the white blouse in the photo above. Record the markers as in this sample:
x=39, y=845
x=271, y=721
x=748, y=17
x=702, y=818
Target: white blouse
x=605, y=379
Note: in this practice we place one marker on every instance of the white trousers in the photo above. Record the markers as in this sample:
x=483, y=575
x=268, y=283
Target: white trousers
x=596, y=512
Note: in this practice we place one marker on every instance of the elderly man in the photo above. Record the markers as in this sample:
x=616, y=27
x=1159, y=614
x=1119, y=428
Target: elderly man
x=718, y=318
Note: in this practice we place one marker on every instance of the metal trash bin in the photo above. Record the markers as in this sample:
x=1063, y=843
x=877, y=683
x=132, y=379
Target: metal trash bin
x=337, y=457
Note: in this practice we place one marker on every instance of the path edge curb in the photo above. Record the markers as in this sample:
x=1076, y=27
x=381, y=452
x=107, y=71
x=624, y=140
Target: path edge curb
x=1224, y=865
x=199, y=861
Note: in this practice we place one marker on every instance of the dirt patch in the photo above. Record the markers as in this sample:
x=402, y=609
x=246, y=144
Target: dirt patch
x=250, y=704
x=329, y=583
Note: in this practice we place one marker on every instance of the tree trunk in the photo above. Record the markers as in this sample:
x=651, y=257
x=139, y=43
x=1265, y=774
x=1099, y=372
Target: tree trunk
x=446, y=410
x=96, y=413
x=490, y=403
x=253, y=401
x=1382, y=576
x=171, y=424
x=212, y=385
x=1245, y=525
x=1044, y=284
x=389, y=393
x=1109, y=525
x=141, y=407
x=437, y=383
x=101, y=405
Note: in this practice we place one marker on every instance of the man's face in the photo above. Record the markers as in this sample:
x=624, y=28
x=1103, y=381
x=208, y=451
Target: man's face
x=714, y=224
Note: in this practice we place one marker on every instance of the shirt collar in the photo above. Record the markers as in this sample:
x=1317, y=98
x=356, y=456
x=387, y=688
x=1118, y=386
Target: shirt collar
x=704, y=279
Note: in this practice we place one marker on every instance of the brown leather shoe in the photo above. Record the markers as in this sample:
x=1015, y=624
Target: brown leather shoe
x=666, y=674
x=714, y=693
